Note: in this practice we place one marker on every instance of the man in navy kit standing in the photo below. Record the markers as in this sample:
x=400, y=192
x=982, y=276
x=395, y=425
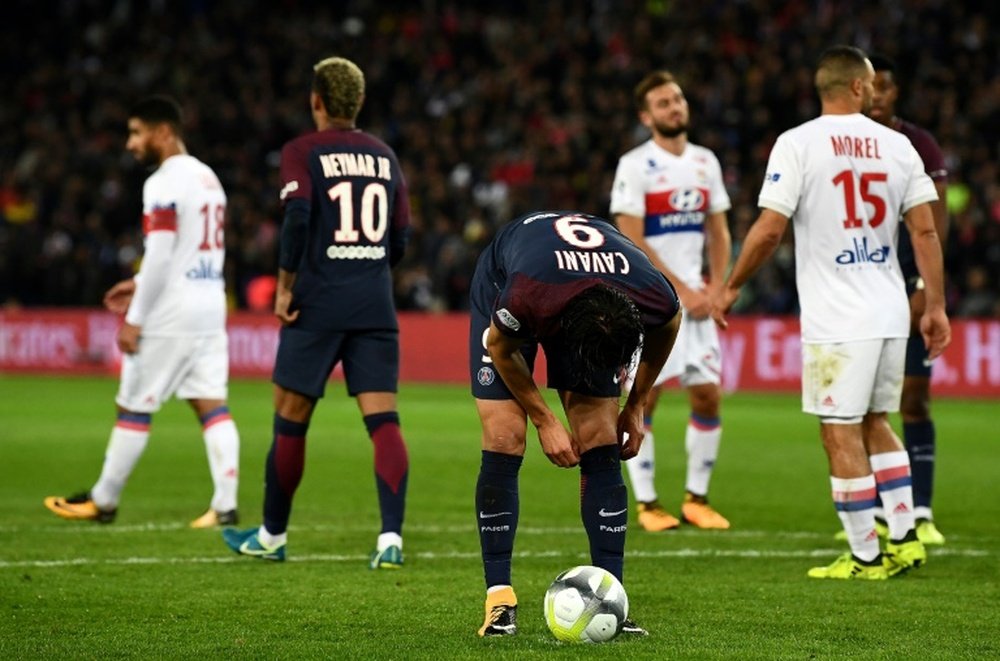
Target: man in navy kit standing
x=346, y=220
x=915, y=405
x=574, y=284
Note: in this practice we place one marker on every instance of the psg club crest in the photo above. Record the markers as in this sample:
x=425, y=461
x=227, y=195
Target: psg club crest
x=486, y=376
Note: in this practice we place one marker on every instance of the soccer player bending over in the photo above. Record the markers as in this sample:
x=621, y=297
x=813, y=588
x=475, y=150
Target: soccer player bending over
x=575, y=285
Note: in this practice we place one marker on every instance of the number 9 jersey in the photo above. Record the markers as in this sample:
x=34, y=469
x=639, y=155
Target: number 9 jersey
x=359, y=216
x=845, y=181
x=180, y=289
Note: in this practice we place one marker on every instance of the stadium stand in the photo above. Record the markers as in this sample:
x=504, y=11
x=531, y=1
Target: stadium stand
x=492, y=112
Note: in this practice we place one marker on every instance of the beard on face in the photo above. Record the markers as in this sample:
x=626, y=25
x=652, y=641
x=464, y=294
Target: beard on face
x=671, y=131
x=148, y=157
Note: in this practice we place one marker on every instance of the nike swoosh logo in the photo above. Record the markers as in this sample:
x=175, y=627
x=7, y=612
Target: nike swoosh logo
x=601, y=512
x=484, y=515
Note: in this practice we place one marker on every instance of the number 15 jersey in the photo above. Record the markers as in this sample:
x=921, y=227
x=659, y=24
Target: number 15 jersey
x=845, y=181
x=358, y=208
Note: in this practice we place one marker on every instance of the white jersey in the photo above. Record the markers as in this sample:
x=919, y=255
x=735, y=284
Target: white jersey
x=845, y=180
x=673, y=195
x=180, y=288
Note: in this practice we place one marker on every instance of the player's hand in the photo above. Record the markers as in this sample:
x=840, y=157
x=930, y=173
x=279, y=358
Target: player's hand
x=117, y=298
x=696, y=303
x=128, y=338
x=558, y=445
x=936, y=330
x=722, y=301
x=282, y=306
x=630, y=432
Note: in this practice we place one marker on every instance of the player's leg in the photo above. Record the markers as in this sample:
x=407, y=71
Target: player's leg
x=206, y=388
x=504, y=426
x=301, y=368
x=603, y=496
x=702, y=379
x=642, y=475
x=837, y=384
x=891, y=463
x=222, y=446
x=919, y=436
x=504, y=429
x=371, y=370
x=148, y=378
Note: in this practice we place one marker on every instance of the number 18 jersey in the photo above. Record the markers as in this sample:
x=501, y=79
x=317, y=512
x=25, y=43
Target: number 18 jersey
x=845, y=181
x=180, y=289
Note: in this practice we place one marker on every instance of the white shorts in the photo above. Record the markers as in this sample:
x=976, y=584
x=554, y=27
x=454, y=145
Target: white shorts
x=192, y=367
x=697, y=355
x=841, y=382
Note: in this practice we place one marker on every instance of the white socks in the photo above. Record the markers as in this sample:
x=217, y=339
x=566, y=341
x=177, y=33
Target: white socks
x=127, y=443
x=892, y=475
x=222, y=445
x=702, y=443
x=642, y=470
x=854, y=499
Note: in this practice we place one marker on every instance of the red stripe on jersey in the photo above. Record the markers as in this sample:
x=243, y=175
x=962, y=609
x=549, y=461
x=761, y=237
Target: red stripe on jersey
x=161, y=220
x=658, y=202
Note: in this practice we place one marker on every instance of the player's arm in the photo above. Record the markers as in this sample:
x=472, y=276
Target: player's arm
x=761, y=242
x=118, y=298
x=557, y=444
x=399, y=227
x=694, y=301
x=656, y=345
x=151, y=279
x=294, y=237
x=719, y=246
x=934, y=324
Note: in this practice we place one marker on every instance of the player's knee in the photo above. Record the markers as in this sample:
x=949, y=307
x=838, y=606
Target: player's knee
x=706, y=401
x=504, y=439
x=915, y=404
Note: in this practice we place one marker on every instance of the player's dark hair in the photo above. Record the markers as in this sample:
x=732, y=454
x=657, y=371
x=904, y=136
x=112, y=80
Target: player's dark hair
x=602, y=329
x=882, y=62
x=838, y=67
x=159, y=109
x=650, y=82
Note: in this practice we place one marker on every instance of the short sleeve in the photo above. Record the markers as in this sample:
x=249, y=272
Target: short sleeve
x=782, y=180
x=627, y=194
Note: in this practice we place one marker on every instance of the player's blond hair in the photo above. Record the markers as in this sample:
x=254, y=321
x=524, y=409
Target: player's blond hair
x=341, y=85
x=650, y=82
x=838, y=67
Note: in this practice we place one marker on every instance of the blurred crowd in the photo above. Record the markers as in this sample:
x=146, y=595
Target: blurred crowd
x=493, y=109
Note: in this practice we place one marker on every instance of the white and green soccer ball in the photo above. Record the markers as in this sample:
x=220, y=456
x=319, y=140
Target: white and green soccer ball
x=585, y=605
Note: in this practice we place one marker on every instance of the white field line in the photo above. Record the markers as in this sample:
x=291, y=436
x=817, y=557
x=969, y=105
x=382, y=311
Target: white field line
x=81, y=527
x=226, y=558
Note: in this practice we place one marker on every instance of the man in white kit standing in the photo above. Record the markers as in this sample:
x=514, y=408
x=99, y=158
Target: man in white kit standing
x=845, y=180
x=173, y=338
x=668, y=197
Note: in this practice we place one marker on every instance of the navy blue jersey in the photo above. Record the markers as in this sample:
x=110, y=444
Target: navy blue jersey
x=937, y=169
x=358, y=209
x=540, y=261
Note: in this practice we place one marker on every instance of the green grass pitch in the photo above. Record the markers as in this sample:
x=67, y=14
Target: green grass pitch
x=149, y=587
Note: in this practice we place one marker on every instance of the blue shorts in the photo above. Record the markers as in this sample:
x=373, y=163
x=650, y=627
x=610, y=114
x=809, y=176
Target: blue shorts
x=487, y=384
x=917, y=362
x=307, y=357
